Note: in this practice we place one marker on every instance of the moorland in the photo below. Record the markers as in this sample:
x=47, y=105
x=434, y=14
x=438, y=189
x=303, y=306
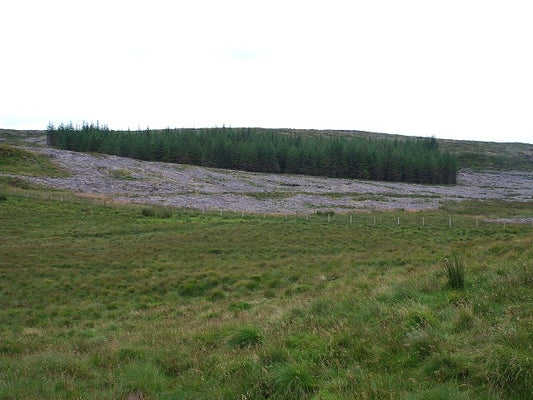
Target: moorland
x=104, y=298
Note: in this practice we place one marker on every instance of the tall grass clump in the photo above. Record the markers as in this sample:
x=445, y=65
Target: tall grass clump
x=511, y=369
x=455, y=271
x=158, y=212
x=292, y=381
x=246, y=336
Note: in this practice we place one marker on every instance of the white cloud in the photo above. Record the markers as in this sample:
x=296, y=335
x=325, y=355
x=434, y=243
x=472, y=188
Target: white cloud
x=457, y=69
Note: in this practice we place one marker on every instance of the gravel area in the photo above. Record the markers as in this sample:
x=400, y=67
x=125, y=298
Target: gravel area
x=123, y=179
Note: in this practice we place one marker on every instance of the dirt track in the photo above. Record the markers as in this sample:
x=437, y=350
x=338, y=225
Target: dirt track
x=124, y=179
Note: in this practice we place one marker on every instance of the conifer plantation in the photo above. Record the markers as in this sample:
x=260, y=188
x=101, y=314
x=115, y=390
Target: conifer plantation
x=269, y=150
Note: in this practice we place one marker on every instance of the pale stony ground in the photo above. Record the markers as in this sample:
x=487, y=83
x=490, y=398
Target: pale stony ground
x=123, y=179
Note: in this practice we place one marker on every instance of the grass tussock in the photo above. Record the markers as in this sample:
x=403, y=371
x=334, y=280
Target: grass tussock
x=455, y=271
x=156, y=212
x=103, y=302
x=245, y=337
x=292, y=381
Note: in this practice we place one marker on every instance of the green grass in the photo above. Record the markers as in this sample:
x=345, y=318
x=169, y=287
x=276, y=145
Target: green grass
x=246, y=336
x=455, y=270
x=14, y=160
x=482, y=156
x=103, y=302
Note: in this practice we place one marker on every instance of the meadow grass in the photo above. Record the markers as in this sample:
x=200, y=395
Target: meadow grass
x=18, y=161
x=110, y=302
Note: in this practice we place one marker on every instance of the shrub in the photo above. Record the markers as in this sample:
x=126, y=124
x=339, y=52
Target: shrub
x=455, y=272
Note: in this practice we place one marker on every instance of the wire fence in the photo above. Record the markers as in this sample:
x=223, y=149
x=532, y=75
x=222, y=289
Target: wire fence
x=426, y=219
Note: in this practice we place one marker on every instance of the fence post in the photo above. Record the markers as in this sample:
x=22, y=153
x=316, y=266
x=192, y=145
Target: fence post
x=329, y=219
x=450, y=222
x=423, y=222
x=398, y=221
x=351, y=219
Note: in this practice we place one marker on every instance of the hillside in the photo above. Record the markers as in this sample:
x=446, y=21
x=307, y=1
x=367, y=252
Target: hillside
x=112, y=301
x=125, y=179
x=475, y=155
x=203, y=292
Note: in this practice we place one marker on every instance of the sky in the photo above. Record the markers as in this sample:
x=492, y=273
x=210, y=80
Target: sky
x=449, y=69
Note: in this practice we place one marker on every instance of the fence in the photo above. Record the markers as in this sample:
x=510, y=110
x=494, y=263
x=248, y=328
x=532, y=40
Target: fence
x=423, y=219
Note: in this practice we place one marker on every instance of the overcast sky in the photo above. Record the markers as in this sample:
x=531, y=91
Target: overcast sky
x=453, y=69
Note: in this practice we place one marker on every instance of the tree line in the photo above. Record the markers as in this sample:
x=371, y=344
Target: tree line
x=269, y=150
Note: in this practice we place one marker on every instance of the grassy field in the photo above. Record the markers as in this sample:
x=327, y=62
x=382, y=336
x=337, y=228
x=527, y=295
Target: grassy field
x=107, y=301
x=121, y=302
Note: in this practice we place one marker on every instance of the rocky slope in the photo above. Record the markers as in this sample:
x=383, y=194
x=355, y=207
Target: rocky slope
x=123, y=179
